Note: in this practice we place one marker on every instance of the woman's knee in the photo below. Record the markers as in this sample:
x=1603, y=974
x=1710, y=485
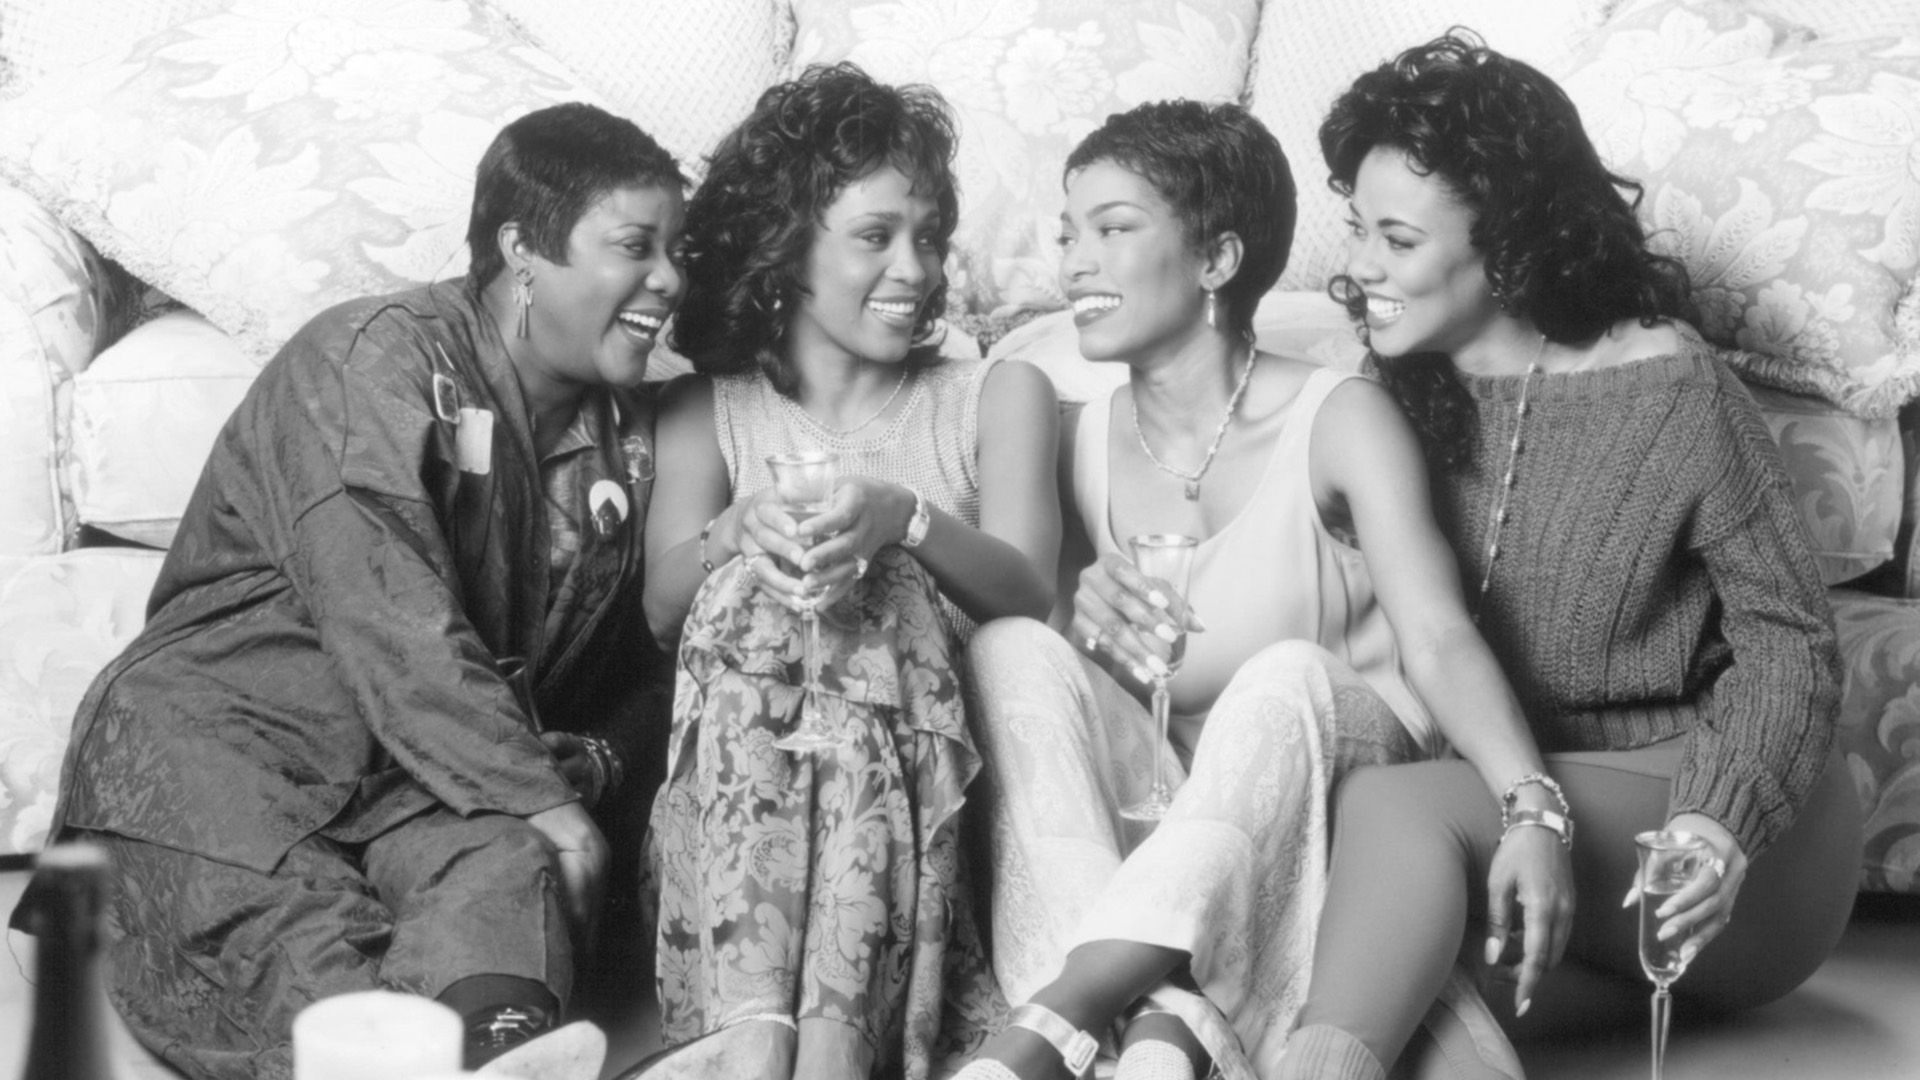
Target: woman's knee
x=1011, y=644
x=1419, y=804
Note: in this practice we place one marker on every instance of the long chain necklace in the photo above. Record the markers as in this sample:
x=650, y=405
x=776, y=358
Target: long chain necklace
x=1192, y=479
x=1497, y=517
x=842, y=433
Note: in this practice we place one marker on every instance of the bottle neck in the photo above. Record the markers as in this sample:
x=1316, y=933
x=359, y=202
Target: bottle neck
x=69, y=1035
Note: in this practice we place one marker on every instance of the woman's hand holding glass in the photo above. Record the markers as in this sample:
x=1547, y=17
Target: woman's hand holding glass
x=1697, y=913
x=1119, y=614
x=818, y=560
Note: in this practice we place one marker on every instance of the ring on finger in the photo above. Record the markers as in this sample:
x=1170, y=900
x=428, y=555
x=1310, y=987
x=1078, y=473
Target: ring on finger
x=1719, y=867
x=860, y=564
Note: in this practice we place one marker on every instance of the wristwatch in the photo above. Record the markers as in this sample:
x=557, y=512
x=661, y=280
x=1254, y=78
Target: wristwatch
x=918, y=523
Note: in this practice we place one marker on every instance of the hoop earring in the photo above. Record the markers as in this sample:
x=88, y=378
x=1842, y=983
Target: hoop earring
x=1211, y=305
x=522, y=301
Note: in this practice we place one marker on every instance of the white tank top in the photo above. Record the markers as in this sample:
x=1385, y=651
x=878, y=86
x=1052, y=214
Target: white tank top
x=1273, y=573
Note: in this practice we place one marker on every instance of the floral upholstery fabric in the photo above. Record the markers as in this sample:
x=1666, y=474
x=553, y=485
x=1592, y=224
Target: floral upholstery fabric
x=62, y=617
x=1027, y=80
x=1879, y=731
x=274, y=159
x=1786, y=176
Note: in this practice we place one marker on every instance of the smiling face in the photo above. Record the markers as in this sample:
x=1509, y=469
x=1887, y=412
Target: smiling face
x=873, y=263
x=1127, y=267
x=596, y=316
x=1411, y=250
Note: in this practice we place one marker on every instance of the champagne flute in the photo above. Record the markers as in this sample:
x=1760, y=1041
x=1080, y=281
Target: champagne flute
x=803, y=482
x=1668, y=862
x=1167, y=557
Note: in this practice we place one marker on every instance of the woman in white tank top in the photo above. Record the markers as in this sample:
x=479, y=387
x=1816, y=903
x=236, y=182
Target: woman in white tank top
x=809, y=900
x=1324, y=620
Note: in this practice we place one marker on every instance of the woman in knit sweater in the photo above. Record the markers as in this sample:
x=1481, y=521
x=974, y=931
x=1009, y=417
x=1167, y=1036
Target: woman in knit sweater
x=1640, y=568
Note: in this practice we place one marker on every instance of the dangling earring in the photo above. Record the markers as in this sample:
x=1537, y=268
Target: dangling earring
x=522, y=301
x=1210, y=309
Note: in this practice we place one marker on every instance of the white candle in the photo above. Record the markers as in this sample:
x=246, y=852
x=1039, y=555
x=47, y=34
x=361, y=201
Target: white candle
x=375, y=1035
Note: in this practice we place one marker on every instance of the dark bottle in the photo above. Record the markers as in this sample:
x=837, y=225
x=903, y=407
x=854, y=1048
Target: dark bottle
x=64, y=904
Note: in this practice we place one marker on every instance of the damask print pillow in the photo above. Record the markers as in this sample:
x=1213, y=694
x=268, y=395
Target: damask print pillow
x=1027, y=80
x=269, y=161
x=1785, y=173
x=686, y=71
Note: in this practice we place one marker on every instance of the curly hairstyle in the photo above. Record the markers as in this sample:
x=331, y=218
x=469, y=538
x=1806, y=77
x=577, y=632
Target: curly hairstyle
x=1222, y=171
x=1557, y=227
x=770, y=180
x=545, y=169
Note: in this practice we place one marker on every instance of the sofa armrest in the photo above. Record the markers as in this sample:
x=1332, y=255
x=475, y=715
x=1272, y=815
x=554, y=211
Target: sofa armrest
x=54, y=306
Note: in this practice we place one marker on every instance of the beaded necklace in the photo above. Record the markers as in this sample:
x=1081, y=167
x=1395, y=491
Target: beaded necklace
x=1192, y=479
x=1498, y=515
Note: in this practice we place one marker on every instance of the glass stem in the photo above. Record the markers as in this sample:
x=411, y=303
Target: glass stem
x=1662, y=1016
x=1162, y=705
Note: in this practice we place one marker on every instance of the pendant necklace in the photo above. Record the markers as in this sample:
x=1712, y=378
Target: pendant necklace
x=1497, y=517
x=1192, y=479
x=843, y=433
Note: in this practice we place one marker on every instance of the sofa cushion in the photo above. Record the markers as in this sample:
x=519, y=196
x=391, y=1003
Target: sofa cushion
x=686, y=71
x=1879, y=731
x=267, y=162
x=1309, y=51
x=1780, y=171
x=1027, y=80
x=144, y=416
x=51, y=321
x=62, y=617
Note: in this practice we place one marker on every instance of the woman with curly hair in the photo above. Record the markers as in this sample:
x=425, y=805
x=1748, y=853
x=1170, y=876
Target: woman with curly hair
x=805, y=897
x=1335, y=634
x=1638, y=566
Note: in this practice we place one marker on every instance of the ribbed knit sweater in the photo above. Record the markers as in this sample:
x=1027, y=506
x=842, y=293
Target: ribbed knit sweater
x=1653, y=579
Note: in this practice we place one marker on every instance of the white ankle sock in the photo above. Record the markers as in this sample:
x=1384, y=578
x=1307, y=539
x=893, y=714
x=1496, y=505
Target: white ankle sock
x=1154, y=1059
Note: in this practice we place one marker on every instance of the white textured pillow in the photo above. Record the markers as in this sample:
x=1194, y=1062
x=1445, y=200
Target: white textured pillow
x=265, y=163
x=144, y=416
x=1309, y=51
x=686, y=71
x=1027, y=80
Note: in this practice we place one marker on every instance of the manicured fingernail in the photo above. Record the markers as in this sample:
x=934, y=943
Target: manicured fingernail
x=1632, y=895
x=1158, y=666
x=1525, y=1004
x=1193, y=620
x=1141, y=674
x=1166, y=633
x=1688, y=951
x=1664, y=910
x=1494, y=945
x=1157, y=599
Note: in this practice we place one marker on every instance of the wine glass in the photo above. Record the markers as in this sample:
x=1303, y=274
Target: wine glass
x=1668, y=861
x=1167, y=557
x=803, y=482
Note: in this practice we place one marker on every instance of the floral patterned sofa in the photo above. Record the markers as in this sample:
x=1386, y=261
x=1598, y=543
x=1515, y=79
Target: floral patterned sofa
x=183, y=182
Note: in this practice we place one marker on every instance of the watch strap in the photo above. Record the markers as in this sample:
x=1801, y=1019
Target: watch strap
x=917, y=524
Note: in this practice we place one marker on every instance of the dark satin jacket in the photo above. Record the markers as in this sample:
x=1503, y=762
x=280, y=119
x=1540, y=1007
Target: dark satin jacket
x=357, y=620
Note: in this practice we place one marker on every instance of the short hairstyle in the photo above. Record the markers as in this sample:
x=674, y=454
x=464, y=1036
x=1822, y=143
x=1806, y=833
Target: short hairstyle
x=1222, y=171
x=1563, y=247
x=545, y=169
x=770, y=181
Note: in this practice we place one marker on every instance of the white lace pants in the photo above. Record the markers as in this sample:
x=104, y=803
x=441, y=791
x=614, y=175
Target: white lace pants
x=1233, y=876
